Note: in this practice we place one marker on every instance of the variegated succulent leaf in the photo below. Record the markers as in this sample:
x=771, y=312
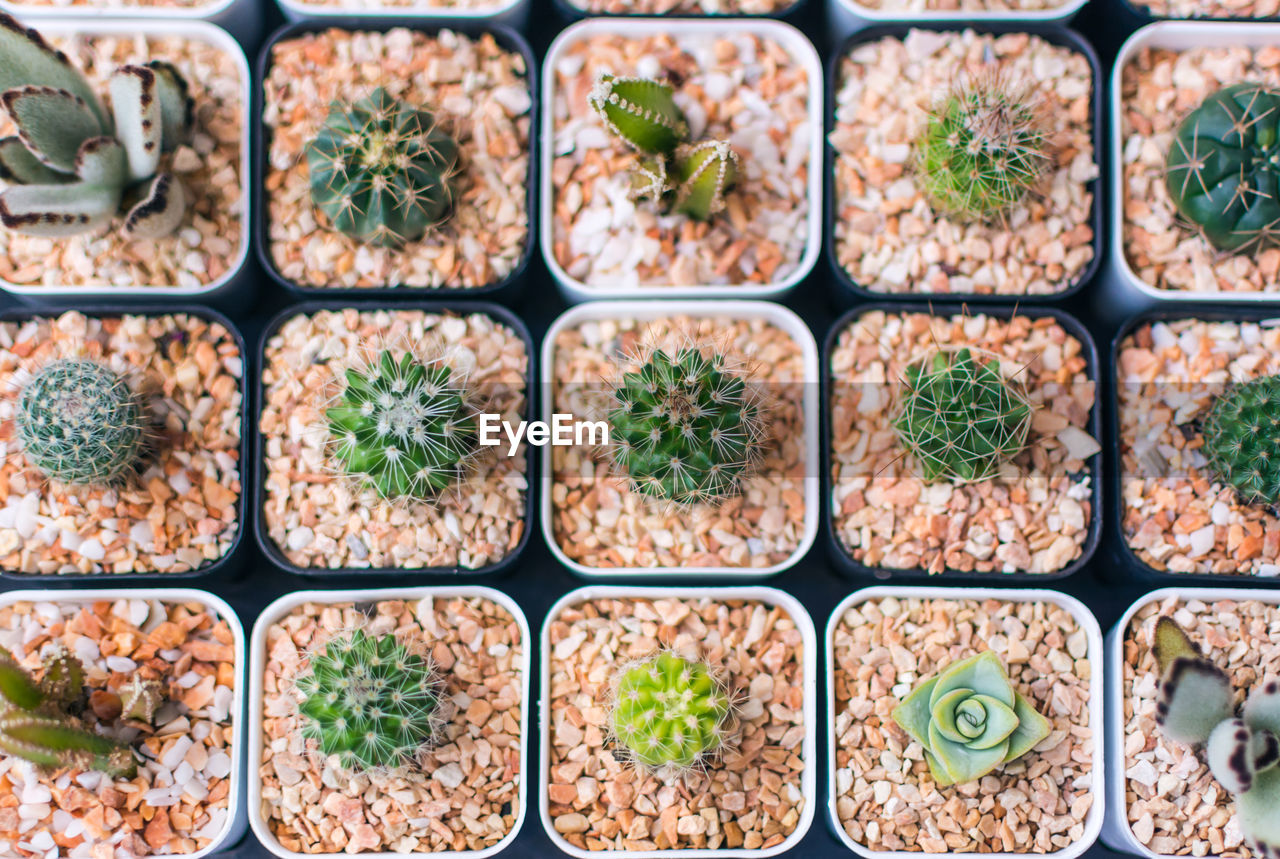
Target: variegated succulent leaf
x=1195, y=694
x=26, y=59
x=704, y=174
x=641, y=111
x=1262, y=709
x=57, y=211
x=177, y=108
x=51, y=123
x=139, y=123
x=1259, y=812
x=160, y=210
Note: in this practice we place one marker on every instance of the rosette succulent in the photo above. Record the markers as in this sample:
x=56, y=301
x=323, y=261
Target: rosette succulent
x=970, y=720
x=670, y=713
x=1242, y=439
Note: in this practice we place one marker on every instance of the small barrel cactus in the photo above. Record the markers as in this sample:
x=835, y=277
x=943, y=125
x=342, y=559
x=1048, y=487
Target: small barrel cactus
x=1197, y=706
x=983, y=148
x=371, y=702
x=970, y=720
x=684, y=429
x=1242, y=439
x=960, y=418
x=80, y=423
x=1223, y=167
x=404, y=427
x=669, y=713
x=383, y=172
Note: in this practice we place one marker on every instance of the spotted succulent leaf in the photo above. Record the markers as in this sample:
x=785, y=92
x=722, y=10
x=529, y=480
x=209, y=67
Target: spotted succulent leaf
x=52, y=123
x=26, y=59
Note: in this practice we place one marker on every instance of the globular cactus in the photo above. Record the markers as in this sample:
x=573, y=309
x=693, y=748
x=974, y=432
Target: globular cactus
x=384, y=173
x=1242, y=439
x=983, y=148
x=1223, y=167
x=685, y=429
x=970, y=720
x=959, y=418
x=371, y=702
x=81, y=423
x=404, y=427
x=1196, y=706
x=670, y=714
x=71, y=164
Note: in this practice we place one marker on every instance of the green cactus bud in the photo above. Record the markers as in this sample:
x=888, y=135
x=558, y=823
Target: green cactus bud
x=80, y=423
x=383, y=172
x=970, y=720
x=705, y=172
x=670, y=713
x=140, y=699
x=1221, y=169
x=371, y=702
x=63, y=679
x=640, y=111
x=1242, y=439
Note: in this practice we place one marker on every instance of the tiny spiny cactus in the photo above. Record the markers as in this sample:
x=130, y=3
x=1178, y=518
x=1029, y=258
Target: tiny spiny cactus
x=1242, y=439
x=1196, y=706
x=383, y=172
x=669, y=713
x=984, y=147
x=404, y=427
x=371, y=702
x=960, y=418
x=1223, y=167
x=80, y=423
x=684, y=428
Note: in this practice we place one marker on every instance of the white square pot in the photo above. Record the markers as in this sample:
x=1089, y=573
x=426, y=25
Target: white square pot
x=775, y=314
x=257, y=664
x=237, y=821
x=1077, y=609
x=1117, y=834
x=240, y=17
x=808, y=748
x=848, y=16
x=192, y=30
x=803, y=53
x=512, y=12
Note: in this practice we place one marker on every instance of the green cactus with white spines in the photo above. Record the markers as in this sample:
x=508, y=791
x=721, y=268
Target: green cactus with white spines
x=669, y=713
x=1242, y=439
x=81, y=423
x=383, y=172
x=371, y=701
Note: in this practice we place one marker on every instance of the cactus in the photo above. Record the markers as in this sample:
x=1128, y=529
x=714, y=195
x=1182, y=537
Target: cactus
x=1196, y=705
x=642, y=112
x=383, y=172
x=970, y=720
x=406, y=428
x=1221, y=169
x=71, y=165
x=959, y=418
x=1242, y=439
x=80, y=423
x=706, y=172
x=371, y=702
x=983, y=148
x=35, y=724
x=684, y=429
x=669, y=713
x=140, y=699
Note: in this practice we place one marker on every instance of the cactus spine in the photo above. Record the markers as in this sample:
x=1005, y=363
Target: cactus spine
x=1242, y=439
x=669, y=713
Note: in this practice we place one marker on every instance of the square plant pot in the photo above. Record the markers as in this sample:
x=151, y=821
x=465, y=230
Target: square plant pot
x=315, y=518
x=1038, y=518
x=886, y=238
x=1179, y=522
x=598, y=525
x=759, y=642
x=207, y=251
x=190, y=759
x=513, y=13
x=1162, y=799
x=575, y=10
x=848, y=16
x=877, y=774
x=475, y=79
x=478, y=640
x=599, y=244
x=240, y=17
x=177, y=510
x=1155, y=253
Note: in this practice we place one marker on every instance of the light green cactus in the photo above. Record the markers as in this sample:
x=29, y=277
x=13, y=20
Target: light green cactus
x=670, y=713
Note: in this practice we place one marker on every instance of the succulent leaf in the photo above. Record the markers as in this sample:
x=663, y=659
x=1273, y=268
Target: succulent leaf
x=139, y=699
x=1242, y=438
x=1233, y=752
x=17, y=689
x=705, y=174
x=670, y=712
x=177, y=109
x=139, y=123
x=1195, y=697
x=640, y=111
x=52, y=123
x=1257, y=809
x=26, y=59
x=101, y=163
x=1171, y=643
x=55, y=211
x=160, y=211
x=18, y=166
x=48, y=741
x=649, y=180
x=1262, y=709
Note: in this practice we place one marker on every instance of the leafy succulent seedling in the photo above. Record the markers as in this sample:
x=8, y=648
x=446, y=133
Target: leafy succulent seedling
x=669, y=713
x=970, y=720
x=1242, y=439
x=641, y=112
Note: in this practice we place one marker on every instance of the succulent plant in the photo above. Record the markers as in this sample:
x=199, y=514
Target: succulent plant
x=80, y=423
x=670, y=713
x=404, y=427
x=1197, y=705
x=685, y=429
x=1223, y=167
x=371, y=701
x=984, y=147
x=383, y=172
x=36, y=725
x=970, y=720
x=675, y=173
x=71, y=164
x=960, y=418
x=1242, y=439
